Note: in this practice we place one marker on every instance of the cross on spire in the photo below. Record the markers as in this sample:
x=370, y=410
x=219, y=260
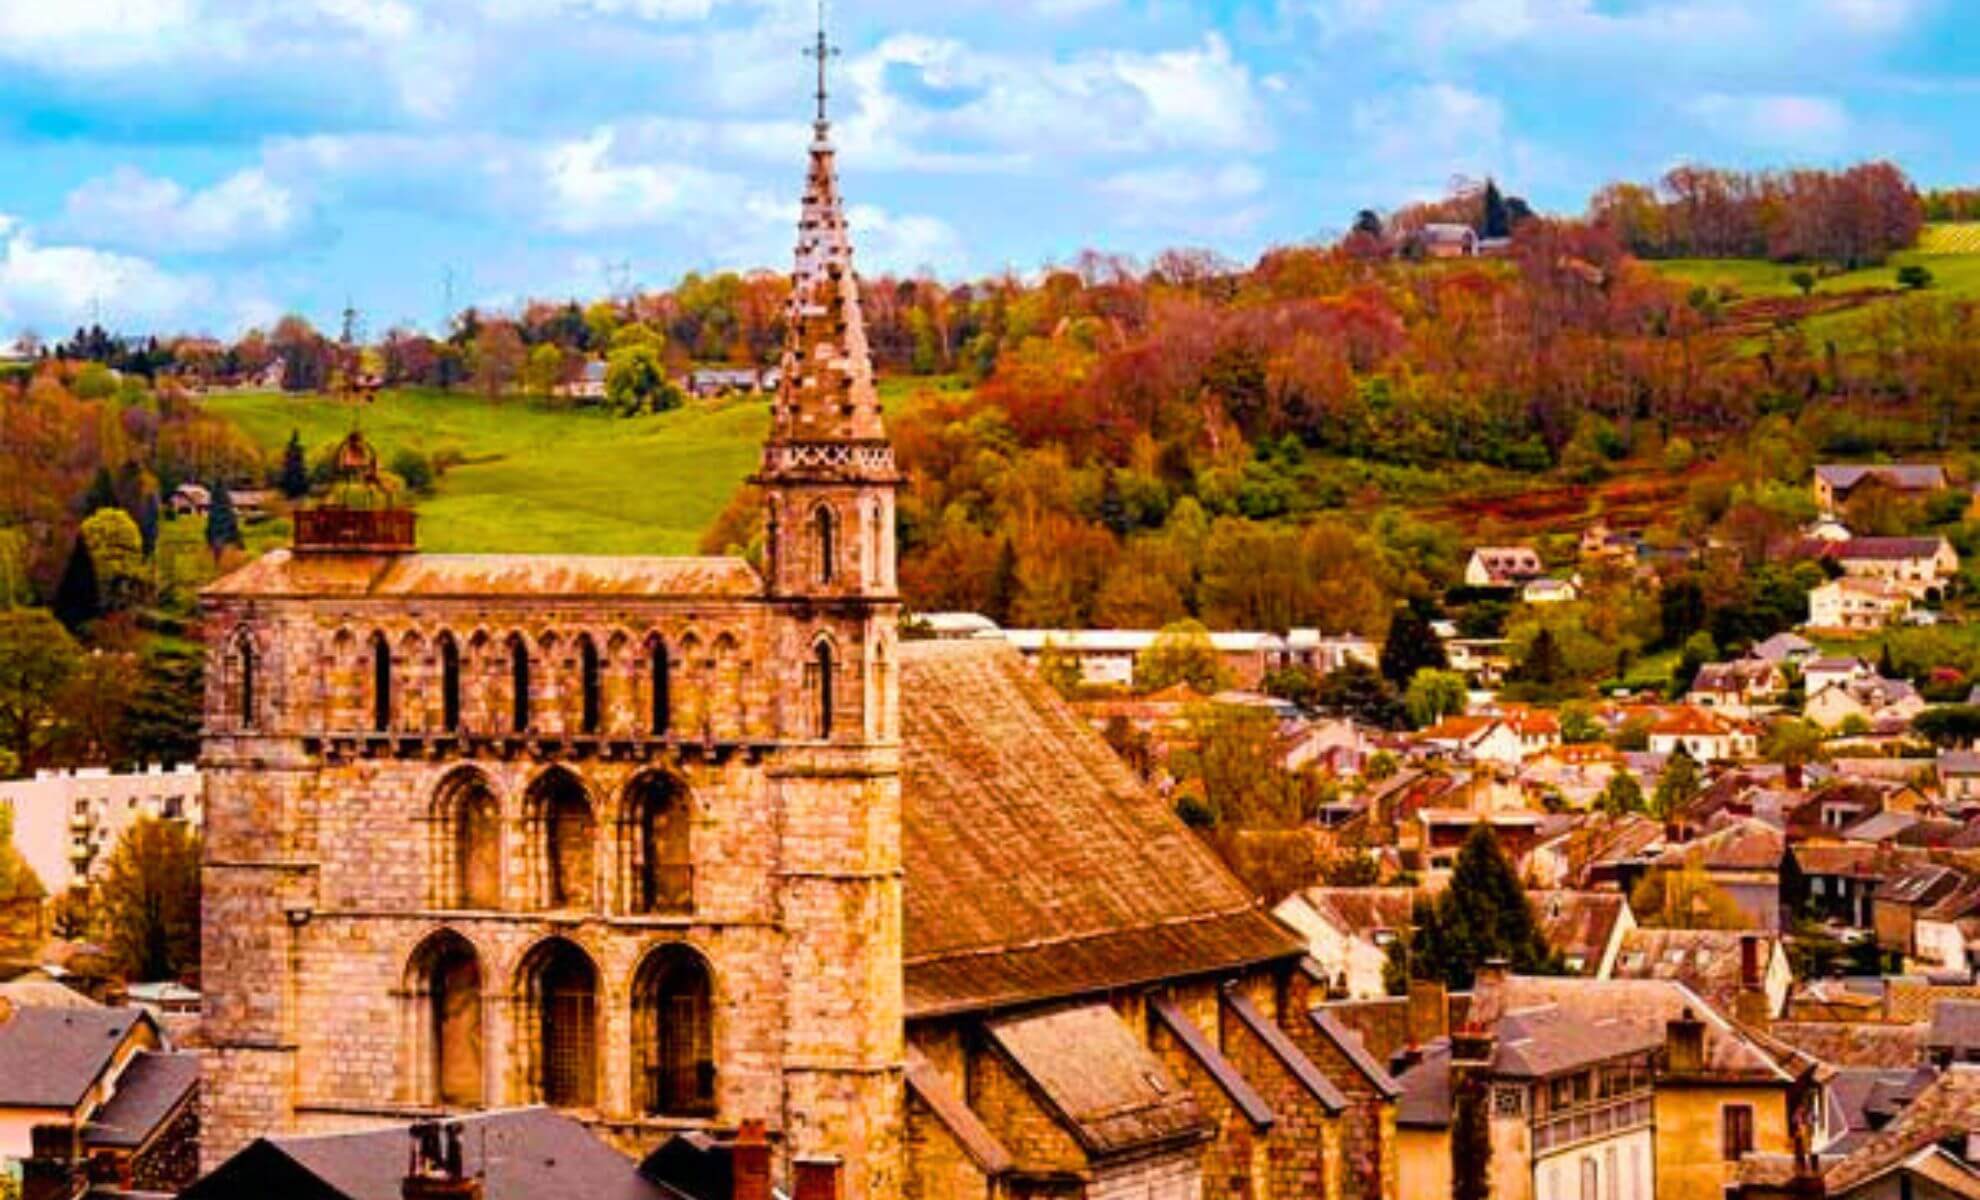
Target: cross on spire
x=824, y=52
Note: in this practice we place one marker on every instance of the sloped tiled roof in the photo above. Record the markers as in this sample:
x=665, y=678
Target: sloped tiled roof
x=1549, y=1040
x=1949, y=1107
x=149, y=1091
x=282, y=573
x=1645, y=1006
x=51, y=1057
x=1854, y=1043
x=1745, y=845
x=1908, y=476
x=1579, y=924
x=1708, y=961
x=1112, y=1091
x=1038, y=866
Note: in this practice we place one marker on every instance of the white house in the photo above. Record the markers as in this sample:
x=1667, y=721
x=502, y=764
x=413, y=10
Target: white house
x=1876, y=700
x=66, y=823
x=1736, y=687
x=1107, y=656
x=1704, y=735
x=1503, y=566
x=1348, y=932
x=1913, y=565
x=1550, y=591
x=1856, y=604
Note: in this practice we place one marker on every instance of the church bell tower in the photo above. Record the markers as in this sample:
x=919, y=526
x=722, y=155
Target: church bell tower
x=828, y=484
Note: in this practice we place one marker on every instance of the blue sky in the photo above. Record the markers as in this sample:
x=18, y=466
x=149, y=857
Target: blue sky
x=209, y=164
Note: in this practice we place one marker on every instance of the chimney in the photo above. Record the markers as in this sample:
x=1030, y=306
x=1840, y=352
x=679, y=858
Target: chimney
x=1684, y=1045
x=1429, y=1012
x=1793, y=774
x=54, y=1170
x=1491, y=975
x=1473, y=1047
x=435, y=1164
x=749, y=1163
x=1749, y=960
x=817, y=1178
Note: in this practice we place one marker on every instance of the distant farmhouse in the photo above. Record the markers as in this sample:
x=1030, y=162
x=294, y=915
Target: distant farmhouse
x=1835, y=483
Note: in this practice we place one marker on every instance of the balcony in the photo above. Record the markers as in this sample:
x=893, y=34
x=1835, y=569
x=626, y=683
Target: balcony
x=1587, y=1122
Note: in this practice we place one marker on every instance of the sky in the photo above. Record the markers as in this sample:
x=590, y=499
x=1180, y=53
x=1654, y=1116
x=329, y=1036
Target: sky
x=208, y=165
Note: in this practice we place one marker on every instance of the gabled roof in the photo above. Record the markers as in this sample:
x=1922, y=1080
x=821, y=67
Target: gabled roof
x=1038, y=866
x=51, y=1057
x=149, y=1091
x=1579, y=924
x=1887, y=549
x=1708, y=961
x=1853, y=1043
x=1112, y=1092
x=1904, y=476
x=1535, y=1043
x=1642, y=1005
x=1744, y=845
x=1949, y=1107
x=519, y=1154
x=1955, y=1026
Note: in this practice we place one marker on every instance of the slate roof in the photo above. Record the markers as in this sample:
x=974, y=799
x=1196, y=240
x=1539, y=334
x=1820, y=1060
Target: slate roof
x=149, y=1091
x=1949, y=1107
x=282, y=573
x=1425, y=1102
x=1708, y=961
x=520, y=1154
x=1745, y=845
x=1112, y=1092
x=1955, y=1026
x=1537, y=1043
x=1886, y=549
x=1645, y=1005
x=1199, y=1046
x=50, y=1057
x=1579, y=924
x=1038, y=866
x=1858, y=1044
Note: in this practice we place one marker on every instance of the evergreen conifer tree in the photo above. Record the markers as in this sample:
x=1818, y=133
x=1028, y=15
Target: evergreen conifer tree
x=1412, y=646
x=1498, y=221
x=1113, y=510
x=223, y=524
x=147, y=521
x=78, y=597
x=1004, y=584
x=295, y=468
x=1484, y=914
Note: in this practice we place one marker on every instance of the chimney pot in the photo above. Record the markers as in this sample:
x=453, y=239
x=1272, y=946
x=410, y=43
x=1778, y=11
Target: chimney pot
x=749, y=1162
x=1684, y=1045
x=817, y=1178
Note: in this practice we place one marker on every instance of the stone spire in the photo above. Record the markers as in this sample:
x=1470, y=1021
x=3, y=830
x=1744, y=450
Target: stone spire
x=825, y=391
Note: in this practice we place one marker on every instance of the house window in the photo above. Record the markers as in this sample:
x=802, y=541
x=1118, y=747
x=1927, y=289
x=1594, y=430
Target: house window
x=1610, y=1161
x=469, y=829
x=1737, y=1131
x=381, y=684
x=1591, y=1178
x=450, y=684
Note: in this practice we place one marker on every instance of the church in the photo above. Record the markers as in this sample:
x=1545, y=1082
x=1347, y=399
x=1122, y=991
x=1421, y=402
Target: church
x=678, y=844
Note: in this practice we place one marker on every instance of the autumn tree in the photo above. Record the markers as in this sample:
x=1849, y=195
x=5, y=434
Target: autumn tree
x=116, y=554
x=1677, y=786
x=1685, y=897
x=1181, y=653
x=148, y=903
x=636, y=381
x=1434, y=695
x=38, y=659
x=1622, y=795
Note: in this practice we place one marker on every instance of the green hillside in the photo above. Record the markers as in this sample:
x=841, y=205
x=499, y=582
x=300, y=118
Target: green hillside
x=536, y=478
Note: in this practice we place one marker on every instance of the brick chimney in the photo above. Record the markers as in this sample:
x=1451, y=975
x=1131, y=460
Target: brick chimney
x=435, y=1166
x=1684, y=1045
x=817, y=1178
x=1752, y=1006
x=749, y=1163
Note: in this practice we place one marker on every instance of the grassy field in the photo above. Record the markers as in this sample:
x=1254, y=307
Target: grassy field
x=1953, y=272
x=540, y=479
x=1959, y=237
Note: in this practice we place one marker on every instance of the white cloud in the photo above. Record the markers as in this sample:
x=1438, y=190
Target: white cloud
x=904, y=243
x=1433, y=126
x=128, y=208
x=92, y=34
x=1208, y=201
x=590, y=189
x=1805, y=124
x=55, y=287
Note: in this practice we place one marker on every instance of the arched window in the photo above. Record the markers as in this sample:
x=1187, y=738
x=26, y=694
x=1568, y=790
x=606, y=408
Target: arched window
x=653, y=851
x=559, y=812
x=468, y=829
x=592, y=714
x=663, y=702
x=443, y=985
x=381, y=683
x=559, y=989
x=823, y=539
x=450, y=684
x=821, y=669
x=518, y=684
x=673, y=1035
x=248, y=667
